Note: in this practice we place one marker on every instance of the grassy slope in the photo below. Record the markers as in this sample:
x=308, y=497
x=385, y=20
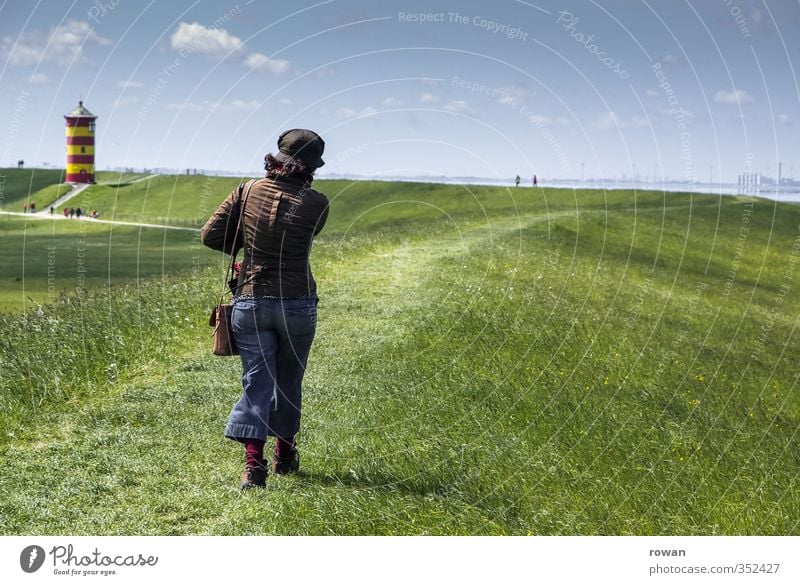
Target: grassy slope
x=17, y=184
x=551, y=363
x=81, y=253
x=172, y=199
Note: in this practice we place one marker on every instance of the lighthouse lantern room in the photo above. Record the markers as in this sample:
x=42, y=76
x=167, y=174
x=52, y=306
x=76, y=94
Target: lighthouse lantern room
x=80, y=145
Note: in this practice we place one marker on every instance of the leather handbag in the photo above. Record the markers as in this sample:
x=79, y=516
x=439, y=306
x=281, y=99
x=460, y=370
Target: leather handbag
x=224, y=342
x=220, y=320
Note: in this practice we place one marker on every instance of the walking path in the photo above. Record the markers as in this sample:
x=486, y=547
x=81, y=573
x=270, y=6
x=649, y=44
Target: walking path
x=60, y=217
x=76, y=190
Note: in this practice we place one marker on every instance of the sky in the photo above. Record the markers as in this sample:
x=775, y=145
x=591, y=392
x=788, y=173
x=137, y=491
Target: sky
x=699, y=90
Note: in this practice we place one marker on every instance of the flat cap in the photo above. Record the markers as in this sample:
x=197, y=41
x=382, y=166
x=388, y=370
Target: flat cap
x=303, y=145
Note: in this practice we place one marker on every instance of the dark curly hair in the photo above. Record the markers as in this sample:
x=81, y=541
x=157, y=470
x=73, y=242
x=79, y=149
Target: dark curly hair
x=295, y=169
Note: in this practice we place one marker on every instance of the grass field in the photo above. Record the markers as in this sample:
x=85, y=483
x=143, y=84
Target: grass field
x=18, y=186
x=173, y=199
x=487, y=362
x=47, y=258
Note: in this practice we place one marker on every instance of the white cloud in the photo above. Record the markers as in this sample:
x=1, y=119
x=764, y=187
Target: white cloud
x=428, y=98
x=392, y=102
x=353, y=113
x=39, y=79
x=130, y=84
x=651, y=93
x=563, y=120
x=261, y=62
x=458, y=106
x=195, y=38
x=784, y=120
x=209, y=106
x=540, y=120
x=669, y=59
x=737, y=96
x=607, y=121
x=611, y=121
x=325, y=72
x=217, y=42
x=286, y=101
x=62, y=45
x=511, y=95
x=125, y=101
x=242, y=105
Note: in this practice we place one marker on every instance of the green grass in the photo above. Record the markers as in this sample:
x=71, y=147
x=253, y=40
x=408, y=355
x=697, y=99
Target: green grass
x=172, y=199
x=487, y=362
x=45, y=197
x=117, y=177
x=16, y=185
x=47, y=258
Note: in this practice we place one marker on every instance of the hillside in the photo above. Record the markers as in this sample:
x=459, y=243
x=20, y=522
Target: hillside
x=488, y=361
x=17, y=184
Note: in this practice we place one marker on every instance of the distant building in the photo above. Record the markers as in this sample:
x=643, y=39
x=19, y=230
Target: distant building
x=80, y=145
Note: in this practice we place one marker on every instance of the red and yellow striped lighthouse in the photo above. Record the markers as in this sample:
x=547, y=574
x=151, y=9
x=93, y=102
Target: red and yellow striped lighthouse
x=80, y=145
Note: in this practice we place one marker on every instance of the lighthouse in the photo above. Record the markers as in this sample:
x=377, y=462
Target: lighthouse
x=80, y=145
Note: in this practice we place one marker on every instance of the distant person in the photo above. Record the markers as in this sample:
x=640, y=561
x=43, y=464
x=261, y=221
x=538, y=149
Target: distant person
x=24, y=208
x=78, y=212
x=517, y=180
x=66, y=212
x=275, y=297
x=71, y=212
x=535, y=180
x=51, y=210
x=33, y=207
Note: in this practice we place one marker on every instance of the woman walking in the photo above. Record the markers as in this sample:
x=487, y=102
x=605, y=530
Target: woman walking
x=275, y=298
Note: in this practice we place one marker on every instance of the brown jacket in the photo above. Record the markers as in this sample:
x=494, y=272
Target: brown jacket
x=279, y=223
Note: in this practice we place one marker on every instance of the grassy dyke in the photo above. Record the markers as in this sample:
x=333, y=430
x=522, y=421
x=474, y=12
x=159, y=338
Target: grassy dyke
x=18, y=186
x=487, y=362
x=171, y=199
x=47, y=258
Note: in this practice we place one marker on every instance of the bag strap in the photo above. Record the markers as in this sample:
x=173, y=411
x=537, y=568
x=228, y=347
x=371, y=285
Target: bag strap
x=240, y=205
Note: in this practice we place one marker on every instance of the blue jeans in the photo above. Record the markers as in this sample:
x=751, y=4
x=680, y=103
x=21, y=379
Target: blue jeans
x=274, y=338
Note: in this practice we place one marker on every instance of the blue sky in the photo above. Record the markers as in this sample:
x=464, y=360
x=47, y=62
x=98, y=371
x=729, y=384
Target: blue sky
x=492, y=89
